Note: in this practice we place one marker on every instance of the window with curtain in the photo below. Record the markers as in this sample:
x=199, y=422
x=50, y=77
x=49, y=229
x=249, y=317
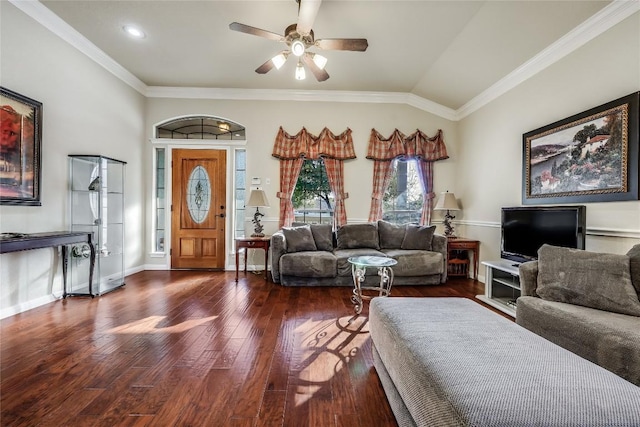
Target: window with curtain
x=418, y=146
x=313, y=200
x=328, y=148
x=403, y=199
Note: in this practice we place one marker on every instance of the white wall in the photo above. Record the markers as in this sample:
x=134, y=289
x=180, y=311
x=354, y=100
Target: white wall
x=262, y=120
x=490, y=161
x=86, y=110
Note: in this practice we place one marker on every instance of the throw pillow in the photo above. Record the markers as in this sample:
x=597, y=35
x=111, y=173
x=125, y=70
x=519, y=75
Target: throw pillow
x=418, y=237
x=589, y=279
x=634, y=266
x=299, y=238
x=391, y=235
x=323, y=236
x=354, y=236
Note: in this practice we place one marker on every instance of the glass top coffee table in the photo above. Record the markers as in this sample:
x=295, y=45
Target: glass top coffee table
x=359, y=265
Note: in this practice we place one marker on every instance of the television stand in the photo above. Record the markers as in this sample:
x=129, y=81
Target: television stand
x=502, y=285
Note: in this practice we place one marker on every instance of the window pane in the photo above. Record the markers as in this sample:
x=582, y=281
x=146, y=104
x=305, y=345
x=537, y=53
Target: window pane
x=160, y=201
x=313, y=201
x=200, y=127
x=240, y=177
x=402, y=201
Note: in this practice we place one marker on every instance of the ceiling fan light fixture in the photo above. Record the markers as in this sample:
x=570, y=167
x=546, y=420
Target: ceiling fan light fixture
x=223, y=126
x=319, y=60
x=297, y=47
x=279, y=60
x=300, y=73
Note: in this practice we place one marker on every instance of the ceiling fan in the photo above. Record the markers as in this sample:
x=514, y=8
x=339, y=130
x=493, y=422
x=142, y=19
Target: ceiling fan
x=299, y=38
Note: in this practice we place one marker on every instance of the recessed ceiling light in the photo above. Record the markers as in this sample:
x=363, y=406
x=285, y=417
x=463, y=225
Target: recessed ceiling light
x=134, y=31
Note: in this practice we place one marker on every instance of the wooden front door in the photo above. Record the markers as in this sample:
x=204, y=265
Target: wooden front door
x=198, y=211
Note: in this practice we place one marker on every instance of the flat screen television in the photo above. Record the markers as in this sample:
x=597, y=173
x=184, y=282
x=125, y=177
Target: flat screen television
x=525, y=229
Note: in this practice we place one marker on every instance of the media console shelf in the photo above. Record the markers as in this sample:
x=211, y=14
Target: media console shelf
x=502, y=285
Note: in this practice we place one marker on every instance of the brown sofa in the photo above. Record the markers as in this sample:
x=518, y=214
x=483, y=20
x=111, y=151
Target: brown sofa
x=312, y=255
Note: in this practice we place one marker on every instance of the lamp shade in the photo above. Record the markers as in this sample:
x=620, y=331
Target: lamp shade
x=258, y=198
x=447, y=202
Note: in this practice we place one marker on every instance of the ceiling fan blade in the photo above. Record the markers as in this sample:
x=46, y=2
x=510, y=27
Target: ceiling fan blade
x=307, y=11
x=280, y=58
x=359, y=45
x=265, y=68
x=236, y=26
x=320, y=74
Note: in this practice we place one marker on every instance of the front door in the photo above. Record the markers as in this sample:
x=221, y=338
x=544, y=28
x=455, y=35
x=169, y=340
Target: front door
x=198, y=212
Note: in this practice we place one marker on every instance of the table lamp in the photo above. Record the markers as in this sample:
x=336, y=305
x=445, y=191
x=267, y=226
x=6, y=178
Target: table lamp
x=447, y=202
x=258, y=199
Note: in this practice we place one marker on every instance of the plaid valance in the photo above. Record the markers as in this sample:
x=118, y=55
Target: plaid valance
x=304, y=144
x=416, y=145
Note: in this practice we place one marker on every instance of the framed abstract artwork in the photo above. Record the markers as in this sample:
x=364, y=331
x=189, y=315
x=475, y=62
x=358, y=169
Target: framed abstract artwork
x=20, y=145
x=588, y=157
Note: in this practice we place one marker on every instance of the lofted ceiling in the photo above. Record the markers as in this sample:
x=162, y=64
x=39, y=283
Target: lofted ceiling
x=446, y=52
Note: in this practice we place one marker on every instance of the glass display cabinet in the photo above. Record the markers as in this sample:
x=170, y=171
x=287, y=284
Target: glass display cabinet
x=96, y=205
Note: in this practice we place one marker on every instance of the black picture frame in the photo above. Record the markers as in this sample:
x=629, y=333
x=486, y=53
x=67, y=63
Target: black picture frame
x=588, y=157
x=20, y=149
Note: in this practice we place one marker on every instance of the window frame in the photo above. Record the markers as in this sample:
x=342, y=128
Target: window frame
x=396, y=212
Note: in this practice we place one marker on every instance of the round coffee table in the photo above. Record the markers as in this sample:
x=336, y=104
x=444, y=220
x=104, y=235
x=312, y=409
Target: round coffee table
x=359, y=266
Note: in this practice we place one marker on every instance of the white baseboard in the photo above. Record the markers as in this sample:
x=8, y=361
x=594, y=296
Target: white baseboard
x=27, y=305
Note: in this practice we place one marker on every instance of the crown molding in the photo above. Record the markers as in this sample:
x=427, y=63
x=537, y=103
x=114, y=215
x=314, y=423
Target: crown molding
x=609, y=16
x=606, y=18
x=302, y=95
x=56, y=25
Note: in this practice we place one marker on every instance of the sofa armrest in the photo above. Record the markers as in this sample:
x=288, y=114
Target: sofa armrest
x=278, y=247
x=529, y=278
x=439, y=244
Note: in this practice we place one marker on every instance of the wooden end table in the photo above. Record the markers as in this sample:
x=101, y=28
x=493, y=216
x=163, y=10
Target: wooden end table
x=457, y=267
x=252, y=243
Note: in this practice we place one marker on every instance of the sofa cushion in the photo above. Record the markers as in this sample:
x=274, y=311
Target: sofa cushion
x=352, y=236
x=415, y=263
x=590, y=279
x=391, y=235
x=299, y=239
x=634, y=266
x=323, y=236
x=611, y=340
x=418, y=237
x=343, y=255
x=308, y=264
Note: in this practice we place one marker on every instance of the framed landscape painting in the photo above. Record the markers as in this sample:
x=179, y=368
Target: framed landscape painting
x=589, y=157
x=20, y=143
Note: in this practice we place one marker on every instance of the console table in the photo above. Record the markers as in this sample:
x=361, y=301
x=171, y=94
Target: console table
x=14, y=242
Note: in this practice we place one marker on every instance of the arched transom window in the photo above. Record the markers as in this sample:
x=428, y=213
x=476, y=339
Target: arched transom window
x=200, y=127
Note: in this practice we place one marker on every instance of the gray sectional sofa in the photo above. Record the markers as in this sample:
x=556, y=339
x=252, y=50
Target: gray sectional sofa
x=313, y=255
x=586, y=302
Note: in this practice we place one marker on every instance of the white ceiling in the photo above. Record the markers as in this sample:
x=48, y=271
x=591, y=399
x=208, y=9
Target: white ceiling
x=446, y=52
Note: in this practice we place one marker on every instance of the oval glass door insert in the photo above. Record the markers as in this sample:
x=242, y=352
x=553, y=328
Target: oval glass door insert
x=198, y=194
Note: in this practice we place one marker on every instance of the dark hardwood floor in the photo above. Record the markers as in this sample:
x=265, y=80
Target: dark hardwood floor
x=188, y=348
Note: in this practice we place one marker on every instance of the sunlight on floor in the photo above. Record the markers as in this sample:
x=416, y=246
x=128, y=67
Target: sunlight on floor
x=327, y=346
x=150, y=326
